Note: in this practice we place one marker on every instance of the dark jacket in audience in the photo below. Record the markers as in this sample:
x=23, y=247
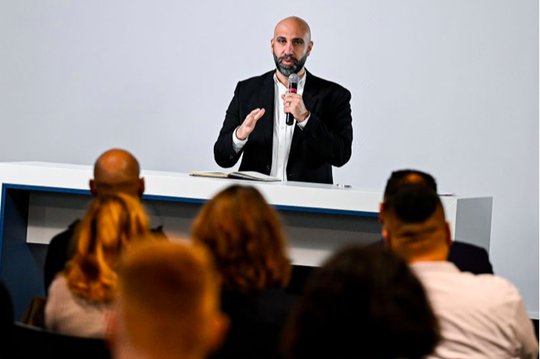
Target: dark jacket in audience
x=6, y=321
x=256, y=323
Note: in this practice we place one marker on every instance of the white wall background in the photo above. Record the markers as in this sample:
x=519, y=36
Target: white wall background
x=447, y=86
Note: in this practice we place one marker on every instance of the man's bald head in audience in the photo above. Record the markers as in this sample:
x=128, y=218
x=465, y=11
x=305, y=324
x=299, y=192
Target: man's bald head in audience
x=117, y=170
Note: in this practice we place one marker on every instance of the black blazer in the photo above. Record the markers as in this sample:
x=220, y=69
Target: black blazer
x=470, y=258
x=325, y=141
x=256, y=324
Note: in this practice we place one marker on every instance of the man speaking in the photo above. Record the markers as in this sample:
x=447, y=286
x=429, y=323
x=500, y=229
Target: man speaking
x=319, y=135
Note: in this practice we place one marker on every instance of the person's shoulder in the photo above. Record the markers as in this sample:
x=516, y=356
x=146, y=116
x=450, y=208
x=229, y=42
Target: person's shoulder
x=496, y=283
x=58, y=291
x=320, y=82
x=468, y=247
x=257, y=79
x=59, y=282
x=488, y=287
x=67, y=233
x=470, y=258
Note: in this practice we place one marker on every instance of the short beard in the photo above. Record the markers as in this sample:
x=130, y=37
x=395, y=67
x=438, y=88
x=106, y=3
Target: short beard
x=292, y=69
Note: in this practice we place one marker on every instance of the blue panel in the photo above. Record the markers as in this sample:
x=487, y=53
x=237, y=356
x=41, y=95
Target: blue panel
x=20, y=268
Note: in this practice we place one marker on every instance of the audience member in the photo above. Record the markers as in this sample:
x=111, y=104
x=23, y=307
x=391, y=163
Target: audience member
x=80, y=296
x=364, y=302
x=467, y=257
x=245, y=236
x=167, y=305
x=481, y=316
x=115, y=171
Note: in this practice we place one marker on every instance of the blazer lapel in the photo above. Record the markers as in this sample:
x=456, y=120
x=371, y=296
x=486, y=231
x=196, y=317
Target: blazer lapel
x=267, y=101
x=309, y=96
x=310, y=92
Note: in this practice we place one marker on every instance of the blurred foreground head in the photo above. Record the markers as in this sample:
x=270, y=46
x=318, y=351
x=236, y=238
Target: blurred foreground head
x=167, y=305
x=364, y=302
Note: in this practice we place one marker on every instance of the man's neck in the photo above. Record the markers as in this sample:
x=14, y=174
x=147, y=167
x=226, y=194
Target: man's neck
x=285, y=80
x=439, y=254
x=426, y=259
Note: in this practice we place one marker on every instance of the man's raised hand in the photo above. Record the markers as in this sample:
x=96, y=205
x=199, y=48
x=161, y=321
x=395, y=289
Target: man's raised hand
x=243, y=131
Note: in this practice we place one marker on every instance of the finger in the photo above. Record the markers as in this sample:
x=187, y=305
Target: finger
x=258, y=114
x=287, y=106
x=251, y=116
x=254, y=112
x=291, y=96
x=249, y=123
x=290, y=104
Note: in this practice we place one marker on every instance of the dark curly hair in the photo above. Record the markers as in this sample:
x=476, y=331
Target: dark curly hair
x=364, y=302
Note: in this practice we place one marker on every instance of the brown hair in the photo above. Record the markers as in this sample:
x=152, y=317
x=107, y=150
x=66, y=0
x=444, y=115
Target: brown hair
x=107, y=229
x=245, y=236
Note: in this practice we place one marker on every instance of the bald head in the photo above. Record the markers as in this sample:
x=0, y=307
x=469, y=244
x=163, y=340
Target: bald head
x=117, y=170
x=291, y=45
x=293, y=22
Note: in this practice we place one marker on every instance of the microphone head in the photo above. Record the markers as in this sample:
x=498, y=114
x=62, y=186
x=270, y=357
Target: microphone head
x=293, y=79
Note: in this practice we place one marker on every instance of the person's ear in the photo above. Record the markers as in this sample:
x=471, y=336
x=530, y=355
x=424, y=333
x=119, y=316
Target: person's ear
x=386, y=236
x=141, y=188
x=448, y=234
x=309, y=47
x=220, y=328
x=93, y=188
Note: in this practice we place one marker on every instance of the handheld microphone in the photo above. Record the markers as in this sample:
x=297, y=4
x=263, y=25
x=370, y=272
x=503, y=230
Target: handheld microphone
x=293, y=88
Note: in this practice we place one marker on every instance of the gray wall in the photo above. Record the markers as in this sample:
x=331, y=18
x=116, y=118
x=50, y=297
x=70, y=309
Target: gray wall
x=447, y=86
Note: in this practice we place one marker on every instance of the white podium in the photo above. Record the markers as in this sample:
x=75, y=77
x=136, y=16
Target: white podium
x=39, y=200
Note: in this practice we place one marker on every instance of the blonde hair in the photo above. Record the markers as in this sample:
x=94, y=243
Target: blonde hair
x=245, y=236
x=110, y=225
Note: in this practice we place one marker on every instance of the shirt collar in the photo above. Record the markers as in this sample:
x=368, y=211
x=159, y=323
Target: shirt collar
x=428, y=266
x=301, y=83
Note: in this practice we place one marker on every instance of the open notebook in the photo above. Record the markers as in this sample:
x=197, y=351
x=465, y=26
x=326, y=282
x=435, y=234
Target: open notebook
x=248, y=175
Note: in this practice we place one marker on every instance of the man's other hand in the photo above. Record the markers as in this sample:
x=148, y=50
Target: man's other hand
x=294, y=104
x=243, y=131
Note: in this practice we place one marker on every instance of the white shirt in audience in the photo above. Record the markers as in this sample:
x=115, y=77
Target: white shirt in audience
x=68, y=314
x=481, y=316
